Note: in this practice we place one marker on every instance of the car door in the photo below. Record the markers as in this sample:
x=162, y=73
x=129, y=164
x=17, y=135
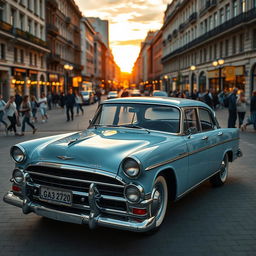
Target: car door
x=195, y=143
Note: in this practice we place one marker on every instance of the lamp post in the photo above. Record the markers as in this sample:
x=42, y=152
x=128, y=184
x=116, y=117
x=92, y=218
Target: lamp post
x=192, y=68
x=219, y=63
x=68, y=68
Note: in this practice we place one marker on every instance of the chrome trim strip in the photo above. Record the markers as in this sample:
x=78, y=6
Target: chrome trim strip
x=76, y=180
x=76, y=168
x=149, y=168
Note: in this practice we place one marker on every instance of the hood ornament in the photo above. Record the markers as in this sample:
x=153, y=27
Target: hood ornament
x=65, y=157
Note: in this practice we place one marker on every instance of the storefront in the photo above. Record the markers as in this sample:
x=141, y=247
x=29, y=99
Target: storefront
x=18, y=81
x=32, y=82
x=4, y=89
x=185, y=83
x=55, y=84
x=202, y=82
x=253, y=79
x=193, y=85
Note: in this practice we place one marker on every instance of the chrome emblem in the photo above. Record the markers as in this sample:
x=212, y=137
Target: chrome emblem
x=65, y=157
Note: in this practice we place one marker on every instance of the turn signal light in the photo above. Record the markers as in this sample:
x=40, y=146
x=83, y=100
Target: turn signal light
x=16, y=188
x=138, y=211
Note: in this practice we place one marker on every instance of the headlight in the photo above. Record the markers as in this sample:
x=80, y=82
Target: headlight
x=133, y=193
x=18, y=154
x=131, y=168
x=18, y=176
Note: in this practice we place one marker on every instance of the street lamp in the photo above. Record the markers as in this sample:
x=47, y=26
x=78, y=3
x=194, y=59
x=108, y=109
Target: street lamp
x=219, y=63
x=193, y=68
x=68, y=68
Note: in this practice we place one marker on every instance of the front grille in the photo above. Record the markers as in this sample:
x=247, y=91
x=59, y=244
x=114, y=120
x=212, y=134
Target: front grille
x=78, y=181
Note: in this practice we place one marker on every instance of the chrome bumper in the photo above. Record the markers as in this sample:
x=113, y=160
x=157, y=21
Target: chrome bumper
x=93, y=219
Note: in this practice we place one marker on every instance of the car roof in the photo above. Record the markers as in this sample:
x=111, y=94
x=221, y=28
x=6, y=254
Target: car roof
x=179, y=102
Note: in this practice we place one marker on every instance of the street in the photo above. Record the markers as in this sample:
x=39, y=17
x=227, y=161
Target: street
x=207, y=221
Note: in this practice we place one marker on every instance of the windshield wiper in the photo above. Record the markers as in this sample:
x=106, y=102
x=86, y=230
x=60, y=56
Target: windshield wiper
x=135, y=127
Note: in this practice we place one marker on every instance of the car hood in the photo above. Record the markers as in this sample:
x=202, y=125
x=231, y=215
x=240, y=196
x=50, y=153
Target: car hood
x=100, y=148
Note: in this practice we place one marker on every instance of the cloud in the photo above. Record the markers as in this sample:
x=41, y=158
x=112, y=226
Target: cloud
x=128, y=42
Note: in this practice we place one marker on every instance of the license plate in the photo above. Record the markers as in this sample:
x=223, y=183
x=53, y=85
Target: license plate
x=56, y=196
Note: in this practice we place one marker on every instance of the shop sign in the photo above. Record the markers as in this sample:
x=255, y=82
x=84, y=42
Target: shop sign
x=76, y=81
x=230, y=73
x=53, y=77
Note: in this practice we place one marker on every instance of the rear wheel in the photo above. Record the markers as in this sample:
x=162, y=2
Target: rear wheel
x=220, y=178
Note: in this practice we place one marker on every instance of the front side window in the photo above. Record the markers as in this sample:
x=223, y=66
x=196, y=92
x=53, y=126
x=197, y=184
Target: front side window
x=206, y=120
x=190, y=121
x=133, y=115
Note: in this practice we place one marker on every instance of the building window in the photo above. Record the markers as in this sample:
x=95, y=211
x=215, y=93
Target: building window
x=234, y=45
x=211, y=22
x=221, y=49
x=215, y=20
x=241, y=42
x=30, y=26
x=15, y=54
x=235, y=8
x=41, y=8
x=215, y=51
x=30, y=5
x=30, y=59
x=254, y=4
x=13, y=15
x=21, y=21
x=35, y=58
x=226, y=47
x=242, y=5
x=21, y=56
x=2, y=7
x=41, y=32
x=42, y=61
x=35, y=7
x=35, y=29
x=205, y=54
x=205, y=26
x=254, y=39
x=221, y=15
x=2, y=51
x=227, y=9
x=210, y=53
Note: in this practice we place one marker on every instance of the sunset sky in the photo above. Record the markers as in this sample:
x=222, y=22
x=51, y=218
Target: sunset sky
x=129, y=22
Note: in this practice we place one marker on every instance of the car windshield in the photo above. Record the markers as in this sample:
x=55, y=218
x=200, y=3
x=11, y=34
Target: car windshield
x=85, y=93
x=160, y=93
x=134, y=115
x=112, y=93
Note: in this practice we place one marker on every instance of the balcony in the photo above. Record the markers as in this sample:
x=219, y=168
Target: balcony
x=53, y=3
x=209, y=5
x=182, y=27
x=192, y=18
x=239, y=20
x=169, y=37
x=68, y=20
x=175, y=33
x=5, y=26
x=53, y=58
x=52, y=29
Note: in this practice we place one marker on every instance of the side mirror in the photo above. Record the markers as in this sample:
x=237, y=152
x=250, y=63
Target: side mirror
x=191, y=130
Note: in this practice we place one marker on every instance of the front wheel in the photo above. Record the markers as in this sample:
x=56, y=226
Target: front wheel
x=220, y=178
x=160, y=200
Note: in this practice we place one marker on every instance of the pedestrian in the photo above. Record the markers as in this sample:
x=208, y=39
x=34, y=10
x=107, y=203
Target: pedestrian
x=43, y=107
x=98, y=94
x=241, y=108
x=12, y=114
x=34, y=107
x=208, y=98
x=18, y=100
x=232, y=109
x=25, y=110
x=62, y=100
x=252, y=118
x=70, y=103
x=49, y=100
x=194, y=95
x=2, y=107
x=125, y=93
x=79, y=103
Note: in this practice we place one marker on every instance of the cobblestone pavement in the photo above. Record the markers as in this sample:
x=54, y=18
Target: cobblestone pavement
x=219, y=221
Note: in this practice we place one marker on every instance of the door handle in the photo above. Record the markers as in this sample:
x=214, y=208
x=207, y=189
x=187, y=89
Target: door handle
x=220, y=133
x=205, y=138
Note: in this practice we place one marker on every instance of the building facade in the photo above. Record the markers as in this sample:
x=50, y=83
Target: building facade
x=23, y=47
x=87, y=54
x=63, y=38
x=199, y=33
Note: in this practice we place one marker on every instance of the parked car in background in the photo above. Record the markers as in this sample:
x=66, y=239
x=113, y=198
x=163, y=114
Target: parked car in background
x=137, y=155
x=112, y=95
x=158, y=93
x=88, y=97
x=135, y=93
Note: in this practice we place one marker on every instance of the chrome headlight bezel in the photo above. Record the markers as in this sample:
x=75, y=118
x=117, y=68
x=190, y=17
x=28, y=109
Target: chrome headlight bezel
x=134, y=170
x=136, y=188
x=15, y=157
x=18, y=176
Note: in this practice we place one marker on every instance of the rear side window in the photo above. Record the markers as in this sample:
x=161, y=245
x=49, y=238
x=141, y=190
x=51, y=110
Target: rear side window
x=190, y=121
x=206, y=120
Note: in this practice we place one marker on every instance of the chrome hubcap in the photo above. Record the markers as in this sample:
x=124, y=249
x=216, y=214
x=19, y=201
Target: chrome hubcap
x=224, y=170
x=157, y=204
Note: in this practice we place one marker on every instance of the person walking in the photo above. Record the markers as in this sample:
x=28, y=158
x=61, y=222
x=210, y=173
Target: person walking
x=252, y=118
x=208, y=98
x=2, y=106
x=43, y=107
x=34, y=107
x=25, y=110
x=18, y=100
x=232, y=109
x=98, y=94
x=12, y=114
x=241, y=108
x=79, y=103
x=70, y=103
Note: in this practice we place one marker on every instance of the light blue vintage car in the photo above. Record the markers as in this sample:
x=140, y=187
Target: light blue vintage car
x=137, y=155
